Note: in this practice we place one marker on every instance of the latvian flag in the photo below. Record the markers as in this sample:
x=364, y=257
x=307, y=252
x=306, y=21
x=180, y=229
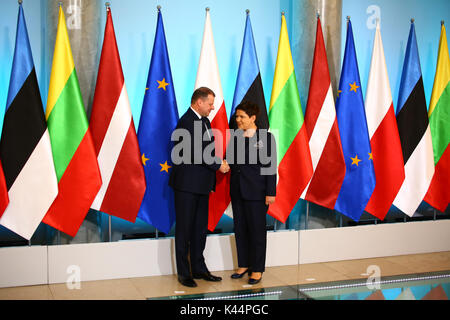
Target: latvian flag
x=114, y=136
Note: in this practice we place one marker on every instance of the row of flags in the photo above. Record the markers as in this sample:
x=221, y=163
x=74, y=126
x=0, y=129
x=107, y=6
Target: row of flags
x=380, y=157
x=351, y=156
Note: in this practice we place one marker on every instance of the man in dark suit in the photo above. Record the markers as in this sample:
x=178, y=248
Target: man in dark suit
x=193, y=177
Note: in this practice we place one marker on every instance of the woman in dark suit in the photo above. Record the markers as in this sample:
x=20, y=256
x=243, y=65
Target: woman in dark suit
x=252, y=158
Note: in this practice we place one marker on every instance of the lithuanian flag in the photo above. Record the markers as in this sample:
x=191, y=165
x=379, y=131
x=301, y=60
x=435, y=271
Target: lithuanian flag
x=287, y=124
x=438, y=194
x=74, y=156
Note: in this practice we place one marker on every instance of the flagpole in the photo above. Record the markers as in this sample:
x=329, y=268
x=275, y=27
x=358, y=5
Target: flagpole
x=109, y=228
x=276, y=220
x=107, y=5
x=307, y=215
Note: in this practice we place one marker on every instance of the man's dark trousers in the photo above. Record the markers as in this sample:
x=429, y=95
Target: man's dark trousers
x=190, y=232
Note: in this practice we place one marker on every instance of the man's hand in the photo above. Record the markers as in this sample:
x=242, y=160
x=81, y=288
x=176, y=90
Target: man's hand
x=224, y=168
x=270, y=200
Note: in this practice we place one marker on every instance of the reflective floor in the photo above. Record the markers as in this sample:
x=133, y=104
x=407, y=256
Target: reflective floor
x=424, y=286
x=417, y=276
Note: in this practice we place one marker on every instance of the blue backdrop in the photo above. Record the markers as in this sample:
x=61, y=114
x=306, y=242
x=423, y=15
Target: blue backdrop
x=395, y=19
x=135, y=23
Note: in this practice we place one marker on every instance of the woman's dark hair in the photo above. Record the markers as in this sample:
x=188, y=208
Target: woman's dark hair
x=250, y=108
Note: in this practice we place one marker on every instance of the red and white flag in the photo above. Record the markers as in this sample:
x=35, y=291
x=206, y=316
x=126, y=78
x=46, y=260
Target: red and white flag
x=114, y=137
x=387, y=153
x=323, y=132
x=208, y=76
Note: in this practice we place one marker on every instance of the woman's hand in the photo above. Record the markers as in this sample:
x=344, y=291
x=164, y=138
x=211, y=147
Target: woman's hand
x=270, y=200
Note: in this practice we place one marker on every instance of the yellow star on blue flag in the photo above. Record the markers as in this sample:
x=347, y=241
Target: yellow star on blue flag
x=162, y=84
x=356, y=161
x=165, y=167
x=144, y=159
x=353, y=86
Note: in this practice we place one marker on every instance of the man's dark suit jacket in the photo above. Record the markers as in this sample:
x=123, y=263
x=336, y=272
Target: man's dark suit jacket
x=246, y=177
x=190, y=177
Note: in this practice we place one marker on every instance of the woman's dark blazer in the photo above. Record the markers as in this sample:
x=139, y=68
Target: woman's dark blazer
x=253, y=165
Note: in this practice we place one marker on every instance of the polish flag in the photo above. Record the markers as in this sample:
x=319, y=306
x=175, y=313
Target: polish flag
x=323, y=132
x=208, y=76
x=386, y=153
x=114, y=137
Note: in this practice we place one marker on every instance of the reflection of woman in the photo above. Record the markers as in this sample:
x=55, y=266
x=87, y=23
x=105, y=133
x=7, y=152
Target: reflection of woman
x=252, y=189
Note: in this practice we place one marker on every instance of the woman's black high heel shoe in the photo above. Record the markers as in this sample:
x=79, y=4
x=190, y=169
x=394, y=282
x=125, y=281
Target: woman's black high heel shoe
x=254, y=281
x=238, y=275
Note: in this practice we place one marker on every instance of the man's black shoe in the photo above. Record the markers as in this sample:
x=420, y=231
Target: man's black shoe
x=207, y=276
x=188, y=282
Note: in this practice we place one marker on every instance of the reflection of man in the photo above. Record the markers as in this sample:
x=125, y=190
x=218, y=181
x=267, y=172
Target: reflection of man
x=192, y=182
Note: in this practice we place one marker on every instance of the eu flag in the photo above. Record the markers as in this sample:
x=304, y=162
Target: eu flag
x=359, y=181
x=159, y=117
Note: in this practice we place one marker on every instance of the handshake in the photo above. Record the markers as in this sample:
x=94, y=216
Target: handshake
x=224, y=168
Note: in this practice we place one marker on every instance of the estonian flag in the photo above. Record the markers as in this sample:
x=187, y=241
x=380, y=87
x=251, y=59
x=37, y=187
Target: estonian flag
x=248, y=83
x=25, y=147
x=415, y=133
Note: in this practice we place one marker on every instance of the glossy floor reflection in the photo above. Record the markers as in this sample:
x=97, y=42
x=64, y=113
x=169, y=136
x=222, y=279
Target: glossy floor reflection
x=285, y=282
x=424, y=286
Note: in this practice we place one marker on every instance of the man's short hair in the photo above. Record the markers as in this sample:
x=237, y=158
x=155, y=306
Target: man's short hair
x=250, y=108
x=202, y=92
